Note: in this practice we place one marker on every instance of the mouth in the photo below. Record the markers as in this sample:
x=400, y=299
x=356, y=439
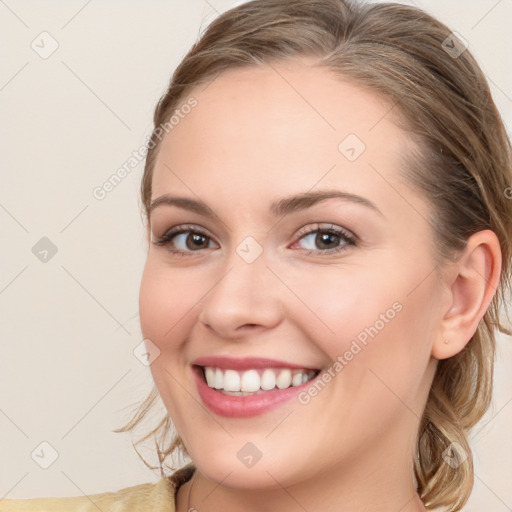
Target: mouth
x=241, y=387
x=253, y=381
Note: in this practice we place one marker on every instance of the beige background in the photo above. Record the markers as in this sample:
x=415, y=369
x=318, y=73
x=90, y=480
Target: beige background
x=69, y=325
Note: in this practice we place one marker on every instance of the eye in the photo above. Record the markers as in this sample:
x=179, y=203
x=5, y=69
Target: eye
x=185, y=239
x=325, y=240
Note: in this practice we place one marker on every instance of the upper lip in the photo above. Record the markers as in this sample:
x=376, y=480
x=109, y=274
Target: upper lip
x=246, y=363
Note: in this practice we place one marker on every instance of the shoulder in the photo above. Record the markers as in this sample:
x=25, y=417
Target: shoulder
x=157, y=497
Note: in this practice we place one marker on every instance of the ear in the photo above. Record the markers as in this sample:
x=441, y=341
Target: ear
x=472, y=283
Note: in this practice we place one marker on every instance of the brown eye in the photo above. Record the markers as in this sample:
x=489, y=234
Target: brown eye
x=185, y=241
x=326, y=240
x=195, y=241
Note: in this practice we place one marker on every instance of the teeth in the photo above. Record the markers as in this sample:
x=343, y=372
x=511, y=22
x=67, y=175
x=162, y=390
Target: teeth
x=250, y=381
x=268, y=380
x=284, y=379
x=297, y=379
x=231, y=380
x=253, y=381
x=209, y=373
x=219, y=379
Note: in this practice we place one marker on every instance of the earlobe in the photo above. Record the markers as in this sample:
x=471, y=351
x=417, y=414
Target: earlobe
x=472, y=287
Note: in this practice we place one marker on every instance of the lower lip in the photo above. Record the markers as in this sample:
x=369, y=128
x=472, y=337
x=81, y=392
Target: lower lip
x=244, y=406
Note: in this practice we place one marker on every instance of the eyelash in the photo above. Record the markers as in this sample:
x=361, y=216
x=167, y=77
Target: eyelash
x=345, y=236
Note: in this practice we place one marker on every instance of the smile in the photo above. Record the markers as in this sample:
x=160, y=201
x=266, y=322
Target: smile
x=247, y=387
x=255, y=380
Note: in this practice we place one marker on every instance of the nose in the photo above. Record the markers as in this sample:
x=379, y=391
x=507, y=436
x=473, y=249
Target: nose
x=244, y=300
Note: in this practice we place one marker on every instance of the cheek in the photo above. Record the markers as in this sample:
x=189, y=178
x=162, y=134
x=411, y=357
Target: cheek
x=379, y=350
x=166, y=309
x=372, y=320
x=339, y=304
x=166, y=301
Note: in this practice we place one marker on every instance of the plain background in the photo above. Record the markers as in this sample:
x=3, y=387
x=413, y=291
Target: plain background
x=69, y=325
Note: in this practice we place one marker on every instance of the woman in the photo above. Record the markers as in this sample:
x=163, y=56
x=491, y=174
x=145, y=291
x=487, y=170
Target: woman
x=329, y=248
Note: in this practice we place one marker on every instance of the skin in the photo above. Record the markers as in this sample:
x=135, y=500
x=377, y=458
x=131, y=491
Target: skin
x=258, y=135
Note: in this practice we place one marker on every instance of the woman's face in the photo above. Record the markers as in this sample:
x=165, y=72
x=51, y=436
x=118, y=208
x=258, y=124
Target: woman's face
x=299, y=247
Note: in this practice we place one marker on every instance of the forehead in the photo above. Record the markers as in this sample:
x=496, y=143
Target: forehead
x=283, y=104
x=272, y=130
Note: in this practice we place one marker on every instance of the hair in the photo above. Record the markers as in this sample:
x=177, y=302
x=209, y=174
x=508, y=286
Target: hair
x=462, y=164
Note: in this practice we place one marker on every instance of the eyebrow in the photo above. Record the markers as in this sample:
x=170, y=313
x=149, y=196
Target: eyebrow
x=278, y=208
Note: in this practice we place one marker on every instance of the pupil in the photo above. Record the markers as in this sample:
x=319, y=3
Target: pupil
x=195, y=241
x=326, y=240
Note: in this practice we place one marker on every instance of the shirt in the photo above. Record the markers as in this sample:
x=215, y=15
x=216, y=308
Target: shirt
x=158, y=497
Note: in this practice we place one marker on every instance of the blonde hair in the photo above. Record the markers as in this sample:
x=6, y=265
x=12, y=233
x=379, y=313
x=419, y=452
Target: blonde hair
x=463, y=167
